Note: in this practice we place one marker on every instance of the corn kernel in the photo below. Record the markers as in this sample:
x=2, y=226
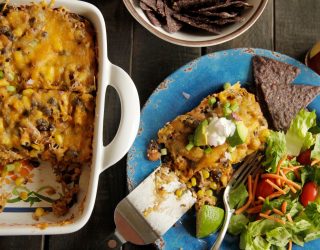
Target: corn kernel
x=59, y=139
x=209, y=192
x=23, y=195
x=17, y=32
x=26, y=102
x=19, y=181
x=213, y=186
x=200, y=193
x=189, y=185
x=27, y=92
x=36, y=146
x=4, y=82
x=193, y=181
x=224, y=180
x=39, y=212
x=205, y=174
x=19, y=60
x=178, y=192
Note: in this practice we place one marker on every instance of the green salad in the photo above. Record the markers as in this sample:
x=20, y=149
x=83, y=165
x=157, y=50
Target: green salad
x=280, y=205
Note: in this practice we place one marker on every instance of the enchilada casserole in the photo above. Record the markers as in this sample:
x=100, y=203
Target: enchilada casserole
x=47, y=92
x=199, y=148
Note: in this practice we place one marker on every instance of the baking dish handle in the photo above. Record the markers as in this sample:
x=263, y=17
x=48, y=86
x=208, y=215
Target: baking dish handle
x=130, y=117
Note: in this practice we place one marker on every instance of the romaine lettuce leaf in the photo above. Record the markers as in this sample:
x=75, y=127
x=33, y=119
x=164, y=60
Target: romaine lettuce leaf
x=237, y=224
x=261, y=243
x=313, y=213
x=315, y=152
x=276, y=149
x=278, y=236
x=238, y=196
x=298, y=136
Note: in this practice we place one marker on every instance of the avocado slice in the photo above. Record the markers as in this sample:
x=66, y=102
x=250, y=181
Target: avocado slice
x=200, y=135
x=239, y=136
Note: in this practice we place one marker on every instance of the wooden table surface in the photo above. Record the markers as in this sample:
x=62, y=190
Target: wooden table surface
x=287, y=26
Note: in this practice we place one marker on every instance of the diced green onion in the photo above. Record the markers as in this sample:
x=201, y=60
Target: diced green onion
x=212, y=101
x=227, y=85
x=11, y=88
x=189, y=146
x=1, y=74
x=234, y=107
x=227, y=111
x=208, y=150
x=10, y=167
x=163, y=151
x=227, y=105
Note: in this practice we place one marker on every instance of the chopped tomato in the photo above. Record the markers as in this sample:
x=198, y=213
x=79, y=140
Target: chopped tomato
x=309, y=193
x=304, y=158
x=264, y=189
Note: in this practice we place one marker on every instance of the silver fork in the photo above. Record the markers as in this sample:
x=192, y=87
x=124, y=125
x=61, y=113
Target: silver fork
x=249, y=166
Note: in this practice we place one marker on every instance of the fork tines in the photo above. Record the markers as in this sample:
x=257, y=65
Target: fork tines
x=250, y=165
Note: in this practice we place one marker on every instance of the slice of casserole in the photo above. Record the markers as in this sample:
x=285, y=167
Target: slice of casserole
x=202, y=145
x=47, y=124
x=46, y=48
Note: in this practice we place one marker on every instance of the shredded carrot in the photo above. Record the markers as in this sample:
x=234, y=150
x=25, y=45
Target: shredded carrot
x=292, y=189
x=275, y=186
x=274, y=176
x=284, y=207
x=255, y=187
x=261, y=198
x=292, y=168
x=247, y=204
x=277, y=211
x=290, y=245
x=254, y=210
x=274, y=195
x=272, y=218
x=289, y=217
x=268, y=212
x=278, y=168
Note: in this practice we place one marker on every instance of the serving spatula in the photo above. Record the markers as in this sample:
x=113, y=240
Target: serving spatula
x=143, y=216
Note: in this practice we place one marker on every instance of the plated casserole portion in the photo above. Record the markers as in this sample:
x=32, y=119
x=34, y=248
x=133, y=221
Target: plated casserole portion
x=47, y=93
x=204, y=162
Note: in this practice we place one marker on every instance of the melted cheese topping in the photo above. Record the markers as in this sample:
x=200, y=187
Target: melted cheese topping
x=47, y=48
x=48, y=124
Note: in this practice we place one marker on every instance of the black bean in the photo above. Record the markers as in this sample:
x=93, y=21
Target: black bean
x=43, y=125
x=34, y=162
x=52, y=101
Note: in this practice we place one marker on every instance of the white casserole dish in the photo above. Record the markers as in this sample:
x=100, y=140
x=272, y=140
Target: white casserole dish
x=17, y=219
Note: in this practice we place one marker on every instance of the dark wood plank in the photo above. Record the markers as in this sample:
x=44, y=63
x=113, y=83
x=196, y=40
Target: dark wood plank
x=22, y=242
x=260, y=35
x=297, y=26
x=112, y=183
x=154, y=59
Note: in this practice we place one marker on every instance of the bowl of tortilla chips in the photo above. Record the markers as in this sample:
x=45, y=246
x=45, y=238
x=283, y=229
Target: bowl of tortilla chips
x=196, y=23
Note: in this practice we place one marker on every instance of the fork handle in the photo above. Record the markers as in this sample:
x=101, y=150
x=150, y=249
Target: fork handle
x=223, y=231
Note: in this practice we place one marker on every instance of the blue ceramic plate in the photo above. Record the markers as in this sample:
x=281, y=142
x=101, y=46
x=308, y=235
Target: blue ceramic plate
x=198, y=79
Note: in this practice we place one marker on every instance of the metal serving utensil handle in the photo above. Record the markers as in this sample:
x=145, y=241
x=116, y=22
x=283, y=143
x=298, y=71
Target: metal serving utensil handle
x=223, y=231
x=113, y=242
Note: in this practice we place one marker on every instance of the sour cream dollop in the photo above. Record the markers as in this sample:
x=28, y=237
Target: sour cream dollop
x=218, y=130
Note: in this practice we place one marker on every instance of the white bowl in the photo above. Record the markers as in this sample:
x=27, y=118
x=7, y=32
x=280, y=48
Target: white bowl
x=18, y=218
x=196, y=37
